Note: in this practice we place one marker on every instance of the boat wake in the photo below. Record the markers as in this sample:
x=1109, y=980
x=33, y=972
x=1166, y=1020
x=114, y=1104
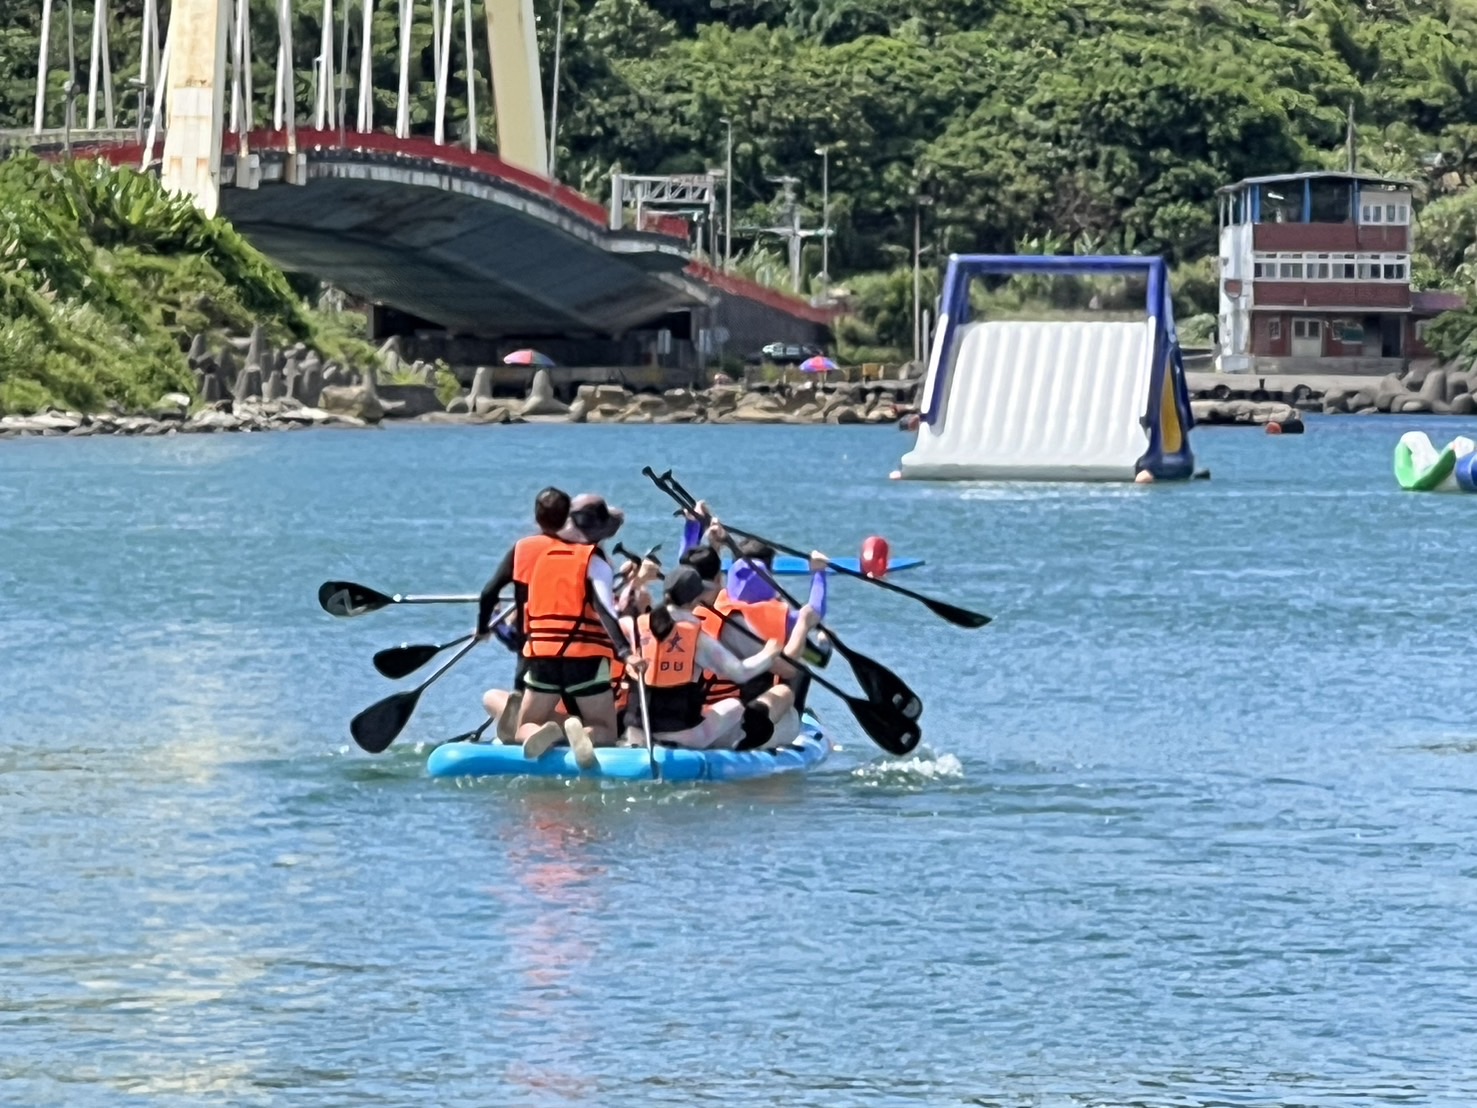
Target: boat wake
x=920, y=768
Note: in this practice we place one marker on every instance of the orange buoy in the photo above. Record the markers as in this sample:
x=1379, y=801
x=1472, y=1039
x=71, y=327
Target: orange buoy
x=875, y=553
x=1274, y=428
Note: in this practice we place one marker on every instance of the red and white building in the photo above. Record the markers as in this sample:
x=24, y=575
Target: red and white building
x=1315, y=275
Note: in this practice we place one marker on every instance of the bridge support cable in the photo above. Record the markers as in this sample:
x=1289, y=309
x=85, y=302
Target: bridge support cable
x=366, y=75
x=43, y=60
x=284, y=115
x=156, y=115
x=469, y=43
x=443, y=62
x=101, y=67
x=323, y=100
x=402, y=103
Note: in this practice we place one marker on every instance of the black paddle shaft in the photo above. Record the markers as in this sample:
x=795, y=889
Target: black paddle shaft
x=346, y=599
x=960, y=617
x=879, y=683
x=375, y=728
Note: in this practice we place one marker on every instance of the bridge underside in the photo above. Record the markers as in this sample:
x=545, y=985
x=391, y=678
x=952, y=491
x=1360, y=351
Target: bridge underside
x=476, y=256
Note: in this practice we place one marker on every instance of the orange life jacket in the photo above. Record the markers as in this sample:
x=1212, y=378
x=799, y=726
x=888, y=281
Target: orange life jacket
x=671, y=662
x=767, y=618
x=560, y=619
x=526, y=552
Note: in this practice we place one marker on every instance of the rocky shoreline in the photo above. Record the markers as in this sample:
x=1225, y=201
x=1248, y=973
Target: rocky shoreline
x=295, y=389
x=1435, y=391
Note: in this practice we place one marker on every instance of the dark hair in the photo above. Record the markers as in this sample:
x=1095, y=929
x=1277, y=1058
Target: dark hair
x=752, y=550
x=551, y=509
x=660, y=621
x=682, y=586
x=705, y=560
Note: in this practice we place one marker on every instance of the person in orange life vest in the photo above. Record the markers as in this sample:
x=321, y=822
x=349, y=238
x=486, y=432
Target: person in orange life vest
x=573, y=637
x=770, y=709
x=550, y=513
x=678, y=653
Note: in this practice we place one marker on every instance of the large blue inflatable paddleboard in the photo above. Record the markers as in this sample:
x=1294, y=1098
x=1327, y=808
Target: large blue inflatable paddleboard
x=623, y=763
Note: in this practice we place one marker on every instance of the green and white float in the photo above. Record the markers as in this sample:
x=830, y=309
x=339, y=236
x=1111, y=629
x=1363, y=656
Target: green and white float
x=1420, y=467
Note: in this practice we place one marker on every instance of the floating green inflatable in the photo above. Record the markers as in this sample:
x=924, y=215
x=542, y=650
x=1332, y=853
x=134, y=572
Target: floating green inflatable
x=1420, y=467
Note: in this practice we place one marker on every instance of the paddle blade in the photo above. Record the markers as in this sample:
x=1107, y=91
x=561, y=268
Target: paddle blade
x=380, y=724
x=881, y=686
x=403, y=660
x=345, y=599
x=959, y=617
x=889, y=730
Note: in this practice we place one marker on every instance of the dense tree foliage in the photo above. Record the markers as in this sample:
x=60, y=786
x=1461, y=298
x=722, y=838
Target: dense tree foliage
x=103, y=278
x=1093, y=121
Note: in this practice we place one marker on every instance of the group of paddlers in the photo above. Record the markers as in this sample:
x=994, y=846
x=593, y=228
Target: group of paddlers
x=714, y=652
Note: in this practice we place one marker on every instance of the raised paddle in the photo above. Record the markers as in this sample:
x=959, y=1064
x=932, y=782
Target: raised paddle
x=879, y=683
x=960, y=617
x=884, y=725
x=380, y=724
x=345, y=599
x=400, y=661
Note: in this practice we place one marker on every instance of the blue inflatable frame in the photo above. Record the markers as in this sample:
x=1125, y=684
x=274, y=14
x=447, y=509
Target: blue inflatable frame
x=1168, y=456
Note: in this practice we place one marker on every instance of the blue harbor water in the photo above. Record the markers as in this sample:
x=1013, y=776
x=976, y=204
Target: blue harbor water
x=1194, y=822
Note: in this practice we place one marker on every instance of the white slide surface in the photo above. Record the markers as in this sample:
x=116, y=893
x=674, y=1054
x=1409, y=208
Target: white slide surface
x=1040, y=401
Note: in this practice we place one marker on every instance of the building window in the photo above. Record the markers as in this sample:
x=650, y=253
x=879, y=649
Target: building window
x=1307, y=328
x=1404, y=213
x=1318, y=271
x=1287, y=270
x=1274, y=328
x=1373, y=213
x=1394, y=272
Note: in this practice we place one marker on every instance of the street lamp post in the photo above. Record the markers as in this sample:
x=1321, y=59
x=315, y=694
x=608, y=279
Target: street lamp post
x=825, y=153
x=728, y=196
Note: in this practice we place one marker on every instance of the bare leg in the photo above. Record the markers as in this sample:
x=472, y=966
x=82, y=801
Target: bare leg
x=537, y=709
x=786, y=730
x=720, y=724
x=597, y=713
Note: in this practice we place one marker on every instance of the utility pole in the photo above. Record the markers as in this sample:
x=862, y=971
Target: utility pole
x=917, y=276
x=728, y=197
x=789, y=228
x=919, y=331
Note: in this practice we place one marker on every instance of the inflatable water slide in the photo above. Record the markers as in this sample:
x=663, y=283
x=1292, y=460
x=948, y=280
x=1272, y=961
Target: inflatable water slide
x=1079, y=400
